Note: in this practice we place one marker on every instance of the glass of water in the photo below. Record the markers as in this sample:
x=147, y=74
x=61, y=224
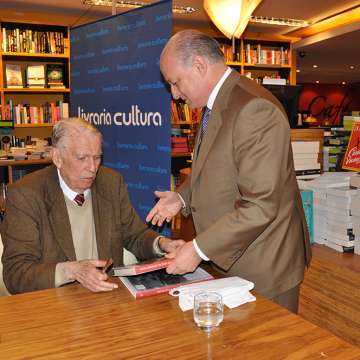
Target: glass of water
x=208, y=310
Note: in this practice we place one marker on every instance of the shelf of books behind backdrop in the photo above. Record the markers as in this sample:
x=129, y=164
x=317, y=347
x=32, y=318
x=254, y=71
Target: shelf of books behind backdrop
x=34, y=86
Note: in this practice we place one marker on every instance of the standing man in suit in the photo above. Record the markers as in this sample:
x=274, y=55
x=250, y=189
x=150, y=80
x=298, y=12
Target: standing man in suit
x=242, y=192
x=62, y=222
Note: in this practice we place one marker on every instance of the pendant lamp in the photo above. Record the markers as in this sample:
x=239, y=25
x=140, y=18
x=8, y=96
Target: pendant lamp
x=230, y=16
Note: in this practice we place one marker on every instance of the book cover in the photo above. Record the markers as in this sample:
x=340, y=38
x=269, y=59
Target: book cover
x=141, y=268
x=35, y=76
x=159, y=282
x=54, y=75
x=13, y=76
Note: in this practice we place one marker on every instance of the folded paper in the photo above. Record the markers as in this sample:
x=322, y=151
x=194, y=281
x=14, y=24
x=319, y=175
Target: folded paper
x=234, y=290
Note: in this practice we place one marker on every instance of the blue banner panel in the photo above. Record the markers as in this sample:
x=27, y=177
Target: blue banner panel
x=117, y=86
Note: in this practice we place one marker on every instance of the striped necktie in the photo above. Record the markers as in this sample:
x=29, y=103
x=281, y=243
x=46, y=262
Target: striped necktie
x=204, y=122
x=79, y=199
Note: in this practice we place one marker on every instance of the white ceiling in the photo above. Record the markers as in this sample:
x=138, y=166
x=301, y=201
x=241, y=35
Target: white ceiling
x=333, y=56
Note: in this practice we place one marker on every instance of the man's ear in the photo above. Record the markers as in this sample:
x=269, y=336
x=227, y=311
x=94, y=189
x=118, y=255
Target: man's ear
x=56, y=157
x=200, y=65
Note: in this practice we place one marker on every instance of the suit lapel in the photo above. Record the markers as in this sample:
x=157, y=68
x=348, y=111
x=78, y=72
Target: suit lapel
x=58, y=215
x=102, y=210
x=214, y=125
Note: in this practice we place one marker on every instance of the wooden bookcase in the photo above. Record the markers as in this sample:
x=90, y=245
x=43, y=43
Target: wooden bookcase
x=33, y=44
x=258, y=57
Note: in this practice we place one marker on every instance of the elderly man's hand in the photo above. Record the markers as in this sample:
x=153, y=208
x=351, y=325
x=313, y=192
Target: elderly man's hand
x=166, y=208
x=87, y=273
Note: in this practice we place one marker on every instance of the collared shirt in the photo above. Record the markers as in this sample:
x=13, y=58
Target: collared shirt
x=70, y=194
x=210, y=104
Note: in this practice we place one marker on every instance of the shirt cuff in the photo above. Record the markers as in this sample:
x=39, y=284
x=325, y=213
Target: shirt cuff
x=60, y=275
x=182, y=201
x=156, y=247
x=199, y=252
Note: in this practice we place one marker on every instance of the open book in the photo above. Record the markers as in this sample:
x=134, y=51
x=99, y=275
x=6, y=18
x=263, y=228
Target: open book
x=141, y=268
x=159, y=281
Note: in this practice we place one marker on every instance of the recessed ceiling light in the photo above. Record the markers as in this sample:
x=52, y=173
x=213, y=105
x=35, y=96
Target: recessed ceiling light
x=315, y=66
x=297, y=70
x=317, y=81
x=352, y=67
x=344, y=82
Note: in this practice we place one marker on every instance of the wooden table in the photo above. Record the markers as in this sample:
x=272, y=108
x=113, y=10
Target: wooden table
x=72, y=323
x=330, y=293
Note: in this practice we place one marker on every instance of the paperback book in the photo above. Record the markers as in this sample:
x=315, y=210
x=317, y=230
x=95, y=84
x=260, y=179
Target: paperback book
x=54, y=76
x=159, y=281
x=13, y=76
x=141, y=268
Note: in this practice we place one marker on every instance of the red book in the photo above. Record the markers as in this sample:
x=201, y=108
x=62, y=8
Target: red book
x=159, y=282
x=141, y=268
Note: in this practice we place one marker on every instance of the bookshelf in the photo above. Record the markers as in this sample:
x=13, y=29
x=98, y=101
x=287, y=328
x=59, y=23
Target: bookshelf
x=26, y=45
x=260, y=58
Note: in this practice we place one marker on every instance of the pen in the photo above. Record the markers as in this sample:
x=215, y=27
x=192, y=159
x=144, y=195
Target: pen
x=107, y=265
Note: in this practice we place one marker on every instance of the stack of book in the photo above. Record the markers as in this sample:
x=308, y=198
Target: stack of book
x=179, y=144
x=306, y=154
x=333, y=220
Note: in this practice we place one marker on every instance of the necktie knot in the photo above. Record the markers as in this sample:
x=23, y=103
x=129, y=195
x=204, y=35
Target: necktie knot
x=79, y=199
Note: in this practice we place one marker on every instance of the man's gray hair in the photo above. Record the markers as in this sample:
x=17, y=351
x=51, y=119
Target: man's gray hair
x=72, y=127
x=189, y=43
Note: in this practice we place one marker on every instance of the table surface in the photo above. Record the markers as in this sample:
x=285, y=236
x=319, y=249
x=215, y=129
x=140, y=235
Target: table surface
x=73, y=323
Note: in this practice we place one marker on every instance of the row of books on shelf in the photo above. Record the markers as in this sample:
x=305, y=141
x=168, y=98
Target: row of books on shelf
x=36, y=75
x=32, y=41
x=273, y=79
x=306, y=159
x=256, y=54
x=181, y=113
x=48, y=113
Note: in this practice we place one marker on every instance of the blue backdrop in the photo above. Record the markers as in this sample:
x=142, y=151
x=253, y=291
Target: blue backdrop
x=117, y=86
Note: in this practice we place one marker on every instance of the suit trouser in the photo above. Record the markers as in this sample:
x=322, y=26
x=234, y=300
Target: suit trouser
x=289, y=299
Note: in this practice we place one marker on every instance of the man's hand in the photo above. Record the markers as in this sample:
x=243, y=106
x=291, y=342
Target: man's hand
x=166, y=208
x=185, y=260
x=88, y=274
x=170, y=246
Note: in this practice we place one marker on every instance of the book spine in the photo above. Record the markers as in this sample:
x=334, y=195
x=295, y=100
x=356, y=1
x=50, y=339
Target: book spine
x=143, y=268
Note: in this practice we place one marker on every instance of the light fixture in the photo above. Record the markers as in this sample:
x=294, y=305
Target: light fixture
x=344, y=82
x=317, y=81
x=136, y=4
x=230, y=16
x=297, y=70
x=315, y=66
x=352, y=67
x=278, y=21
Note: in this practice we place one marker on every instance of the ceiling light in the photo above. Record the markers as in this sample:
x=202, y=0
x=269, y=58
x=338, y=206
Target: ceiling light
x=297, y=70
x=230, y=16
x=352, y=67
x=137, y=4
x=315, y=66
x=317, y=81
x=278, y=21
x=344, y=82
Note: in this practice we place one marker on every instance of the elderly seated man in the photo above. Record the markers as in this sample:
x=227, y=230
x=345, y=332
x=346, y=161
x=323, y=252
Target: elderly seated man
x=64, y=221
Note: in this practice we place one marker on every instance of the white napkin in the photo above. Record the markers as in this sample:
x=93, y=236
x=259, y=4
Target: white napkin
x=234, y=291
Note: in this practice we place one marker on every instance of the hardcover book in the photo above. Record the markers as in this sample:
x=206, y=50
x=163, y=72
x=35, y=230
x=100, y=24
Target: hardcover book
x=35, y=76
x=141, y=268
x=54, y=75
x=159, y=282
x=13, y=76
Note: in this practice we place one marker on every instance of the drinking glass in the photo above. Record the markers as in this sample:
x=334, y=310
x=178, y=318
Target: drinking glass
x=208, y=310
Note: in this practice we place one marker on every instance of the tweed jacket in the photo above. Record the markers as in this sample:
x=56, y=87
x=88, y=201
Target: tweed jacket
x=243, y=194
x=37, y=235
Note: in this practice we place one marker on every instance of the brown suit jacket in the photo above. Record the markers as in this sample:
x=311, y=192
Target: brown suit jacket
x=243, y=193
x=37, y=235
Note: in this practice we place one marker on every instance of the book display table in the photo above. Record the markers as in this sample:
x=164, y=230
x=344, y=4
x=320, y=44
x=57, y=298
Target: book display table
x=73, y=323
